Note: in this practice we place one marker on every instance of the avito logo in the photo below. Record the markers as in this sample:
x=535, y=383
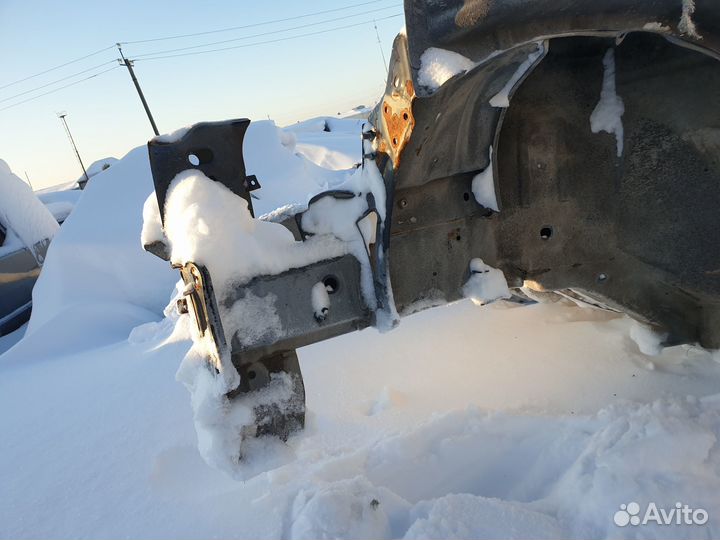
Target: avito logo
x=681, y=514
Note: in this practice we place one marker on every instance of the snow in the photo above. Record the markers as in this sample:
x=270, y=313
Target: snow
x=22, y=212
x=60, y=200
x=686, y=24
x=486, y=284
x=98, y=166
x=502, y=98
x=221, y=424
x=289, y=177
x=152, y=229
x=346, y=509
x=483, y=187
x=9, y=340
x=648, y=340
x=320, y=300
x=173, y=136
x=97, y=283
x=470, y=516
x=329, y=142
x=208, y=224
x=656, y=27
x=58, y=188
x=607, y=115
x=12, y=243
x=254, y=320
x=66, y=194
x=60, y=210
x=437, y=66
x=495, y=422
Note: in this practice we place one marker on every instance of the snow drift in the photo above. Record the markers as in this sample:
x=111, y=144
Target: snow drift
x=464, y=422
x=22, y=212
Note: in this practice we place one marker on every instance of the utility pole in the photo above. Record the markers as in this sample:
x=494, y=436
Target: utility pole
x=29, y=182
x=381, y=49
x=128, y=64
x=61, y=116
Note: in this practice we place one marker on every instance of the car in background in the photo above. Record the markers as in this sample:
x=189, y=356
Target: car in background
x=19, y=269
x=26, y=229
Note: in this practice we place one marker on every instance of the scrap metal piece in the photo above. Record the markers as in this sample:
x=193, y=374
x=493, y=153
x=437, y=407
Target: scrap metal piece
x=232, y=347
x=635, y=233
x=289, y=294
x=214, y=148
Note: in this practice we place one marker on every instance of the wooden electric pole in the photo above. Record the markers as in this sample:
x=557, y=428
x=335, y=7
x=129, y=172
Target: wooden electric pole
x=128, y=64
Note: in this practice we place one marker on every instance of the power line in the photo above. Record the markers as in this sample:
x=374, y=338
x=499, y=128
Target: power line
x=57, y=67
x=57, y=81
x=54, y=68
x=381, y=49
x=266, y=33
x=271, y=40
x=151, y=56
x=58, y=89
x=229, y=29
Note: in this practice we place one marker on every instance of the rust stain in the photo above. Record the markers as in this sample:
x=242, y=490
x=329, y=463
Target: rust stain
x=472, y=12
x=409, y=89
x=399, y=121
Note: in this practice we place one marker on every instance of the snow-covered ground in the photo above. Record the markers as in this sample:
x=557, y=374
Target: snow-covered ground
x=494, y=422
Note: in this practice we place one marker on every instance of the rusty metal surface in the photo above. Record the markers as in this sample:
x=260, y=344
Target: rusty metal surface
x=393, y=119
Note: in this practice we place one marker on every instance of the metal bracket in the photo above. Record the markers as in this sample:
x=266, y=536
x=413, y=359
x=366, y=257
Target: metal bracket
x=214, y=148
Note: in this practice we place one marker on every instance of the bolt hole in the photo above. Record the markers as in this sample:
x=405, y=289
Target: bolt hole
x=251, y=374
x=466, y=196
x=331, y=284
x=386, y=109
x=458, y=238
x=200, y=156
x=405, y=116
x=546, y=233
x=434, y=274
x=394, y=141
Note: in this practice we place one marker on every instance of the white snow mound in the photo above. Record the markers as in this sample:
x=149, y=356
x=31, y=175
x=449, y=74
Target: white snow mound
x=437, y=66
x=22, y=212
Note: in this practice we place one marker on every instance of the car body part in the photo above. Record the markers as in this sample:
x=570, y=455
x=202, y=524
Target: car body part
x=503, y=162
x=19, y=270
x=22, y=251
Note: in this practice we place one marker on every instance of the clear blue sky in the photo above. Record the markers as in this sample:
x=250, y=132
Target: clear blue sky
x=287, y=81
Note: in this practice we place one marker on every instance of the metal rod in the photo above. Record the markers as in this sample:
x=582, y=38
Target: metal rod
x=62, y=116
